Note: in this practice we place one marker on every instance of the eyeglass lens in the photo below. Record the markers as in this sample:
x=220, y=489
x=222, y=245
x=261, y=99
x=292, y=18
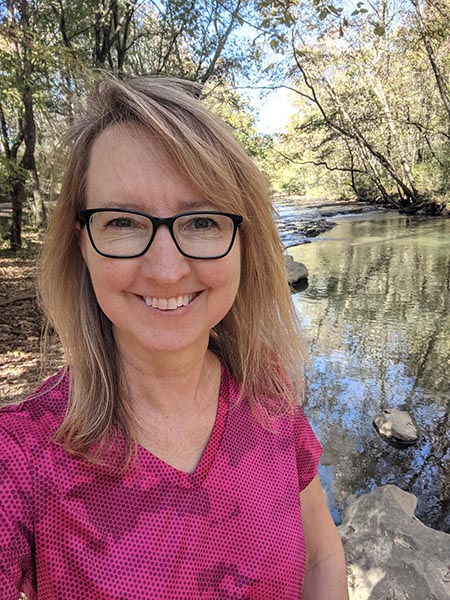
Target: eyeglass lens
x=124, y=234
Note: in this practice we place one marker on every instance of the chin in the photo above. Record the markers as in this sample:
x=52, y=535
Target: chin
x=163, y=344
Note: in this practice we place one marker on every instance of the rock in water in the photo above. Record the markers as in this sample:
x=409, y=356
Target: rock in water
x=390, y=553
x=295, y=270
x=396, y=427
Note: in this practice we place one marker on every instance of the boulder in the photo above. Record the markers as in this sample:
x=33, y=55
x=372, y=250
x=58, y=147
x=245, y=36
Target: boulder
x=396, y=427
x=390, y=553
x=295, y=270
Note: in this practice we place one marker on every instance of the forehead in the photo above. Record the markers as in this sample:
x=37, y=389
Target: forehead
x=129, y=143
x=129, y=167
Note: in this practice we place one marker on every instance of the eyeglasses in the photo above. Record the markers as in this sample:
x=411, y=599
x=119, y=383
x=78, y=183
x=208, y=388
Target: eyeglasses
x=129, y=233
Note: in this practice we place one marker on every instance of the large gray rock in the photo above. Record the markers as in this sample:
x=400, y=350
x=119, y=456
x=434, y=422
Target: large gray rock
x=296, y=271
x=396, y=427
x=390, y=553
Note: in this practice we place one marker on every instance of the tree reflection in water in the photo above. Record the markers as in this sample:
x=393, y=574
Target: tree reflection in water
x=376, y=315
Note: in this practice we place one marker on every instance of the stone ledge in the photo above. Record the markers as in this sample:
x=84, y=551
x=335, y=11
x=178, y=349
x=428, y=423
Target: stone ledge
x=390, y=553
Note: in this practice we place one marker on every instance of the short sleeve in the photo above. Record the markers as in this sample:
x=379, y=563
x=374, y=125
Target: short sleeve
x=308, y=449
x=16, y=513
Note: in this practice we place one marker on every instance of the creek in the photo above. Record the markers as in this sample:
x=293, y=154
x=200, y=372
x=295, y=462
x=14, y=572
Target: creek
x=376, y=319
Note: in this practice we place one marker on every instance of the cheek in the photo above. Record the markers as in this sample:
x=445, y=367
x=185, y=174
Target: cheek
x=229, y=278
x=107, y=275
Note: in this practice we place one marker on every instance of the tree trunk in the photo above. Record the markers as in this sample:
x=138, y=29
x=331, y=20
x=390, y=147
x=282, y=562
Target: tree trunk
x=28, y=159
x=112, y=29
x=28, y=129
x=221, y=45
x=39, y=208
x=351, y=130
x=442, y=87
x=18, y=198
x=381, y=95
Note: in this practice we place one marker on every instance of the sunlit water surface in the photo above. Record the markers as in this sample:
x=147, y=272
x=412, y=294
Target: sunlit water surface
x=376, y=319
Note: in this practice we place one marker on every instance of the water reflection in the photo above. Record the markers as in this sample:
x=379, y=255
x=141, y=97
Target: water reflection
x=377, y=319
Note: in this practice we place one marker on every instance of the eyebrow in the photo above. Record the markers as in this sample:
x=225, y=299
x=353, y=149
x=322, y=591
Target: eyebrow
x=182, y=205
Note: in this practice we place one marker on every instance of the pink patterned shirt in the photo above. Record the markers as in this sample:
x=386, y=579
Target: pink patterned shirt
x=72, y=530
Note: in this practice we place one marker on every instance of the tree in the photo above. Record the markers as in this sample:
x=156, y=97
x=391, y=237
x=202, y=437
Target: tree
x=51, y=50
x=232, y=108
x=428, y=44
x=367, y=87
x=18, y=56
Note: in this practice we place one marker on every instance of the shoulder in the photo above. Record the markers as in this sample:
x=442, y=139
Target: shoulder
x=290, y=431
x=39, y=415
x=271, y=415
x=268, y=411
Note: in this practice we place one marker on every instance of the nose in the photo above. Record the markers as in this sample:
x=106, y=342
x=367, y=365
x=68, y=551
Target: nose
x=163, y=261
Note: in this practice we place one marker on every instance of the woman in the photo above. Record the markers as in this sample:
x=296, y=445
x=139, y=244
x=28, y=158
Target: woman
x=170, y=459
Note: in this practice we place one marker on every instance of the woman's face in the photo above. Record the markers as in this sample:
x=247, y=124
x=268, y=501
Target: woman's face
x=128, y=169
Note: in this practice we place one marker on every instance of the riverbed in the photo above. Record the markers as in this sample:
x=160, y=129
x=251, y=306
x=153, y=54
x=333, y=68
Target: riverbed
x=376, y=318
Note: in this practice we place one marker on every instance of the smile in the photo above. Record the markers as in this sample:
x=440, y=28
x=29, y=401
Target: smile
x=169, y=303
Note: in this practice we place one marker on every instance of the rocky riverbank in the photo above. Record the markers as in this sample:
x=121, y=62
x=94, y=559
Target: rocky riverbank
x=301, y=219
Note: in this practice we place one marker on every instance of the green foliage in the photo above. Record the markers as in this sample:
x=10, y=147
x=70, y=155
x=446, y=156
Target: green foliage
x=10, y=173
x=326, y=9
x=233, y=109
x=373, y=102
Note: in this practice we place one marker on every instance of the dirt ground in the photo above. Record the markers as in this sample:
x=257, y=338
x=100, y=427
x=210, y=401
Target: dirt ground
x=21, y=324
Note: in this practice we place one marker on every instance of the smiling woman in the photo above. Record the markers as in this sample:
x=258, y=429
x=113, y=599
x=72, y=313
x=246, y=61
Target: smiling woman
x=170, y=458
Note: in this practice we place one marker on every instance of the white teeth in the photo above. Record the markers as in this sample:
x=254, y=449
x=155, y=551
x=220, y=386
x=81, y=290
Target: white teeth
x=169, y=303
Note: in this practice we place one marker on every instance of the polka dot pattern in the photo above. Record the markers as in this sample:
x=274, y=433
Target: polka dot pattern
x=231, y=530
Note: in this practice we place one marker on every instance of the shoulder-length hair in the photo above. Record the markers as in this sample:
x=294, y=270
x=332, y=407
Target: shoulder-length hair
x=258, y=340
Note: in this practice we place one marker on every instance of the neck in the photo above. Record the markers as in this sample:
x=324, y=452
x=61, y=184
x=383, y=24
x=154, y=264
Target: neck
x=177, y=383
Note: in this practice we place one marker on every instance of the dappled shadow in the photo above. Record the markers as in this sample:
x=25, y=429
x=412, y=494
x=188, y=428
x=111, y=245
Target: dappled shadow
x=21, y=324
x=408, y=584
x=375, y=583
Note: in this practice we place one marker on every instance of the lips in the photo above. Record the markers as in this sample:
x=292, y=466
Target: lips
x=171, y=303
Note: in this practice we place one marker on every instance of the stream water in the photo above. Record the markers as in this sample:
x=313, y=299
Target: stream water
x=376, y=317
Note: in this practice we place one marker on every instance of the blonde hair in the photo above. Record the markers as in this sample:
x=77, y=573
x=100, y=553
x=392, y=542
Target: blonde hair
x=258, y=340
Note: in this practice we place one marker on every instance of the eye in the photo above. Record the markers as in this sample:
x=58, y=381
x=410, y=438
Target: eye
x=200, y=223
x=121, y=223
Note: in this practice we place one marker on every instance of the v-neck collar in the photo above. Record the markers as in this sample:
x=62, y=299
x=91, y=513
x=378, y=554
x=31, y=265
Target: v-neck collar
x=156, y=468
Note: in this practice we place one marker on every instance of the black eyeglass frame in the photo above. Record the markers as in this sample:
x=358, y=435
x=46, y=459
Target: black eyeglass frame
x=84, y=218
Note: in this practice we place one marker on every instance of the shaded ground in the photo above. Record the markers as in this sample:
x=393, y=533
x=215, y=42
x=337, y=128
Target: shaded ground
x=20, y=325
